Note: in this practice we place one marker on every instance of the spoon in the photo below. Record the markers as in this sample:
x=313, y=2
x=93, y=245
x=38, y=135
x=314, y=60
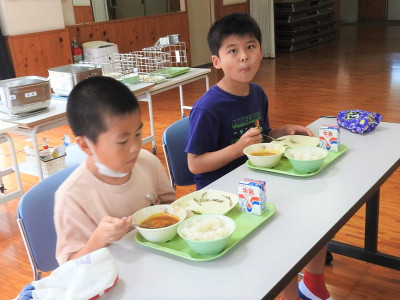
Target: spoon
x=142, y=226
x=270, y=137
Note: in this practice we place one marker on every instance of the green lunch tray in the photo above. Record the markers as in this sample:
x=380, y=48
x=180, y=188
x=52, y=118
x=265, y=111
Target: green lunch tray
x=284, y=166
x=245, y=223
x=171, y=72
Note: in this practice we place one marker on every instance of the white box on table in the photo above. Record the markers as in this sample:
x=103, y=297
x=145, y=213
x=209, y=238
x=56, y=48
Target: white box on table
x=252, y=197
x=329, y=137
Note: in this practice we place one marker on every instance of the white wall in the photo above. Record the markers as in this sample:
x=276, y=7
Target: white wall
x=68, y=12
x=228, y=2
x=199, y=25
x=100, y=10
x=349, y=10
x=82, y=2
x=393, y=10
x=27, y=16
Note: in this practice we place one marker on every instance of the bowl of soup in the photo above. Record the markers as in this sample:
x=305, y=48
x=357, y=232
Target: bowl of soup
x=158, y=223
x=265, y=155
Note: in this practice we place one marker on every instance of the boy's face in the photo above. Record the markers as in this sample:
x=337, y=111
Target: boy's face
x=239, y=57
x=118, y=147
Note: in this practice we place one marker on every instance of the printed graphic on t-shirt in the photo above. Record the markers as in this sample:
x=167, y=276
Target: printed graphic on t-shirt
x=243, y=124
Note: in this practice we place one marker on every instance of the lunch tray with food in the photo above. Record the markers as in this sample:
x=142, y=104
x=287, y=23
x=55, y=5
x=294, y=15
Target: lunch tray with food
x=245, y=224
x=284, y=166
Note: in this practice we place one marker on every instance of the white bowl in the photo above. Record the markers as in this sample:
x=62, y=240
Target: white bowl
x=158, y=235
x=204, y=235
x=265, y=161
x=297, y=141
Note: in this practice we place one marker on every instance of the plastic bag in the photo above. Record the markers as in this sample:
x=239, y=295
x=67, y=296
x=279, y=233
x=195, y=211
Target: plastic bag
x=358, y=121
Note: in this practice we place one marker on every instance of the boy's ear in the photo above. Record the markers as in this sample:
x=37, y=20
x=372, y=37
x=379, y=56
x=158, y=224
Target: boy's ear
x=83, y=145
x=216, y=61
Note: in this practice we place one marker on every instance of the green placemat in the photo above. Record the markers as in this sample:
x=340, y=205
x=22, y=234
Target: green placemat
x=171, y=72
x=245, y=223
x=284, y=166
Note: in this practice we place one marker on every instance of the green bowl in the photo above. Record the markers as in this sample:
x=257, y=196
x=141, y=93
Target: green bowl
x=306, y=159
x=207, y=247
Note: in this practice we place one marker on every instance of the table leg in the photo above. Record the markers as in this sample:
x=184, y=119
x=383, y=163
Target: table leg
x=183, y=107
x=36, y=150
x=20, y=191
x=181, y=100
x=147, y=98
x=372, y=223
x=369, y=253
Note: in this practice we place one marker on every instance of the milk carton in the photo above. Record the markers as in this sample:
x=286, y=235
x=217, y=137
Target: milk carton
x=252, y=196
x=329, y=137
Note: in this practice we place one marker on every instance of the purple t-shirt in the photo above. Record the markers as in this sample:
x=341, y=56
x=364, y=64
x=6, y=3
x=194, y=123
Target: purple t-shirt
x=218, y=119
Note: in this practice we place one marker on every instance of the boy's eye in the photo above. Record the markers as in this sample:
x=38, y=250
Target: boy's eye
x=251, y=47
x=122, y=142
x=232, y=51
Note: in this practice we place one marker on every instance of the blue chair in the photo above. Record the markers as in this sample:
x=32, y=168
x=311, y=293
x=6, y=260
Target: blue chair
x=35, y=222
x=174, y=140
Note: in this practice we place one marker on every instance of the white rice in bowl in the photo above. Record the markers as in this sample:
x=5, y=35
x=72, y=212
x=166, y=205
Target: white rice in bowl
x=205, y=229
x=306, y=153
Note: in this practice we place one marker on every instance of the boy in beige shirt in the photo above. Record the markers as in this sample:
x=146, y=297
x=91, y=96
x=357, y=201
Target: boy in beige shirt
x=94, y=206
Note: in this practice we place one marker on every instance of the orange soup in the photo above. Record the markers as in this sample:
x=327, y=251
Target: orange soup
x=264, y=153
x=160, y=220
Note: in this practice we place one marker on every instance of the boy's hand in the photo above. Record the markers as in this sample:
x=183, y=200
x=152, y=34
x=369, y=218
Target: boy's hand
x=252, y=136
x=298, y=129
x=290, y=129
x=109, y=230
x=112, y=229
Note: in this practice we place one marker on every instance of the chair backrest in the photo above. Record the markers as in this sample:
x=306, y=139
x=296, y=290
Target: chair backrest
x=35, y=220
x=175, y=139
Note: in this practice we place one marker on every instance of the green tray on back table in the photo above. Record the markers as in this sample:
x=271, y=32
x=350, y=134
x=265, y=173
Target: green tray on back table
x=171, y=72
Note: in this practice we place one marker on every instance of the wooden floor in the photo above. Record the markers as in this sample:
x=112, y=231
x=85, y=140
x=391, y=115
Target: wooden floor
x=360, y=69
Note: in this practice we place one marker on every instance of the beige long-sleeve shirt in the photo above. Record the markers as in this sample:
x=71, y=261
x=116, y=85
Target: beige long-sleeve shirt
x=83, y=200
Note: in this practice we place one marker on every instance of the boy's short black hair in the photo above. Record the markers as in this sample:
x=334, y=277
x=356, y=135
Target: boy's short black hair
x=95, y=98
x=233, y=24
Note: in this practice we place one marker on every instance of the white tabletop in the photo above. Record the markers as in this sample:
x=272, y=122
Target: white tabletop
x=6, y=126
x=309, y=211
x=57, y=109
x=193, y=73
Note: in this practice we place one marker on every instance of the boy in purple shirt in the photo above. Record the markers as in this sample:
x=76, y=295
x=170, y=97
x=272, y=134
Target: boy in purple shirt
x=232, y=115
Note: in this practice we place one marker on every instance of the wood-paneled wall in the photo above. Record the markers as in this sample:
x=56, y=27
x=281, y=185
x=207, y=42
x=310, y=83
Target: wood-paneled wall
x=221, y=10
x=239, y=7
x=83, y=14
x=372, y=10
x=34, y=54
x=136, y=33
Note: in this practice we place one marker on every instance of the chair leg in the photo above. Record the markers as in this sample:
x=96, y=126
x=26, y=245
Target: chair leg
x=328, y=258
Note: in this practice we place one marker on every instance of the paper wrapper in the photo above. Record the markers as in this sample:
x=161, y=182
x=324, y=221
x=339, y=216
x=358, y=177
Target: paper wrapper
x=358, y=121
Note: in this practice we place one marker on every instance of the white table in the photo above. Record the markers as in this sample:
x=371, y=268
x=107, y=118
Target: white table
x=30, y=126
x=309, y=212
x=4, y=137
x=56, y=115
x=192, y=75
